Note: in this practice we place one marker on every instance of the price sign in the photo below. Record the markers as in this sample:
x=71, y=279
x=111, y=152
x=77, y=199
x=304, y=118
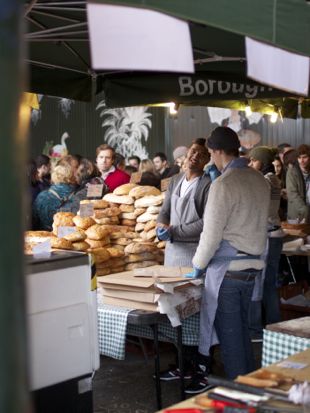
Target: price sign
x=63, y=231
x=86, y=210
x=94, y=191
x=42, y=249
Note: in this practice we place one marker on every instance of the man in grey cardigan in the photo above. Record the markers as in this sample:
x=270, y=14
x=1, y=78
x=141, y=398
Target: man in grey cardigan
x=180, y=223
x=230, y=247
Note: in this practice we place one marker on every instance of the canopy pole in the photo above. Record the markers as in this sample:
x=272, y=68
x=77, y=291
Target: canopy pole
x=14, y=396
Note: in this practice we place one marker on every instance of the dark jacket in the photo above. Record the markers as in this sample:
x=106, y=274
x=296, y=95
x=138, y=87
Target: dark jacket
x=189, y=230
x=47, y=204
x=297, y=207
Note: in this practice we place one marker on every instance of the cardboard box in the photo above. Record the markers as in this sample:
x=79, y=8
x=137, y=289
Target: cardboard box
x=144, y=296
x=146, y=277
x=135, y=305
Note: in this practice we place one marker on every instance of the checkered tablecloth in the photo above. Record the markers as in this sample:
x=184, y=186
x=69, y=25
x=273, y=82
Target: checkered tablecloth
x=113, y=327
x=112, y=324
x=277, y=346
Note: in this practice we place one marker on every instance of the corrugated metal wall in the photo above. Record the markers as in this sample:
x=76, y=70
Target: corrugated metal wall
x=193, y=122
x=83, y=124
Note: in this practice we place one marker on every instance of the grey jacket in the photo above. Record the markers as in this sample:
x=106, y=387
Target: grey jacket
x=297, y=207
x=186, y=230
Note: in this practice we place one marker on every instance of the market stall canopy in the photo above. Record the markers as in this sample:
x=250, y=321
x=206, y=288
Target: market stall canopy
x=59, y=57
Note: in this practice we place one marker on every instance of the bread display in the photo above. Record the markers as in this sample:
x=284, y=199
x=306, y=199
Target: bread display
x=120, y=234
x=124, y=189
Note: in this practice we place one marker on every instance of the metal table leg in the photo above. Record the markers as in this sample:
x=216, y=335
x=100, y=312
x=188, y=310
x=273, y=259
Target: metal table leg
x=157, y=365
x=180, y=358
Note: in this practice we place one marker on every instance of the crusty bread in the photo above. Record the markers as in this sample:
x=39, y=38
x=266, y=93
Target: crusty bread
x=64, y=219
x=43, y=234
x=83, y=222
x=115, y=252
x=78, y=235
x=119, y=247
x=153, y=209
x=150, y=225
x=140, y=226
x=107, y=220
x=107, y=212
x=80, y=246
x=128, y=222
x=112, y=262
x=136, y=248
x=100, y=254
x=122, y=241
x=143, y=256
x=141, y=264
x=103, y=271
x=141, y=191
x=143, y=235
x=119, y=199
x=146, y=217
x=116, y=270
x=100, y=203
x=61, y=243
x=96, y=232
x=161, y=244
x=126, y=208
x=124, y=189
x=151, y=234
x=147, y=201
x=98, y=243
x=128, y=215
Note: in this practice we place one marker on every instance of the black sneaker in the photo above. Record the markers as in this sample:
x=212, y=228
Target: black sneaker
x=173, y=374
x=199, y=384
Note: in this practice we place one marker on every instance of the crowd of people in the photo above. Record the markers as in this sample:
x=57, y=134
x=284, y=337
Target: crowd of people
x=222, y=215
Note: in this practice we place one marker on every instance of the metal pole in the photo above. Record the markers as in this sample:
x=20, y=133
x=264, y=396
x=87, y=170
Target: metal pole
x=14, y=396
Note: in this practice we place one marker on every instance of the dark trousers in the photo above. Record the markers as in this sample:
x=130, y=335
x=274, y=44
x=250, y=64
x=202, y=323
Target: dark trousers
x=231, y=324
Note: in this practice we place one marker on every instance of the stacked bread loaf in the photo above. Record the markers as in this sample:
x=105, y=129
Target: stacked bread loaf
x=120, y=233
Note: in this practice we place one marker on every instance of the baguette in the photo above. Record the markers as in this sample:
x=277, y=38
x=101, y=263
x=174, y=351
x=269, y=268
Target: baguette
x=253, y=381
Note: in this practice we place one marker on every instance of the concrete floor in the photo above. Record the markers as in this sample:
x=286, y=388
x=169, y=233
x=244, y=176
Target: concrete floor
x=127, y=386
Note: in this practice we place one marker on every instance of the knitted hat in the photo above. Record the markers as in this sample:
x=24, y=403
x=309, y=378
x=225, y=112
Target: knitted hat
x=179, y=151
x=224, y=138
x=263, y=153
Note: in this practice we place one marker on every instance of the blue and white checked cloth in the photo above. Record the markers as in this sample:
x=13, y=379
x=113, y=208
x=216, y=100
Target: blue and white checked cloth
x=112, y=323
x=113, y=327
x=278, y=346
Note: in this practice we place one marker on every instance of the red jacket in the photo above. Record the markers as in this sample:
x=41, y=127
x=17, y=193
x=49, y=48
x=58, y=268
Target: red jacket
x=116, y=178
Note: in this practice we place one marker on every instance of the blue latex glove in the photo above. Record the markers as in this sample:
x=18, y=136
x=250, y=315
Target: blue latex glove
x=163, y=234
x=196, y=273
x=213, y=172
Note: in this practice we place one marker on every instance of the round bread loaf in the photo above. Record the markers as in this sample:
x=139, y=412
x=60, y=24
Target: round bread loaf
x=98, y=243
x=124, y=189
x=126, y=208
x=150, y=225
x=141, y=191
x=80, y=246
x=83, y=222
x=136, y=248
x=146, y=217
x=147, y=201
x=61, y=243
x=142, y=264
x=78, y=235
x=119, y=199
x=64, y=219
x=107, y=220
x=96, y=232
x=143, y=256
x=100, y=203
x=128, y=222
x=115, y=252
x=107, y=212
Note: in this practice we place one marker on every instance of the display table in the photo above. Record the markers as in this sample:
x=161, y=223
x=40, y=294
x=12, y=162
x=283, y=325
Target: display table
x=299, y=375
x=115, y=322
x=283, y=339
